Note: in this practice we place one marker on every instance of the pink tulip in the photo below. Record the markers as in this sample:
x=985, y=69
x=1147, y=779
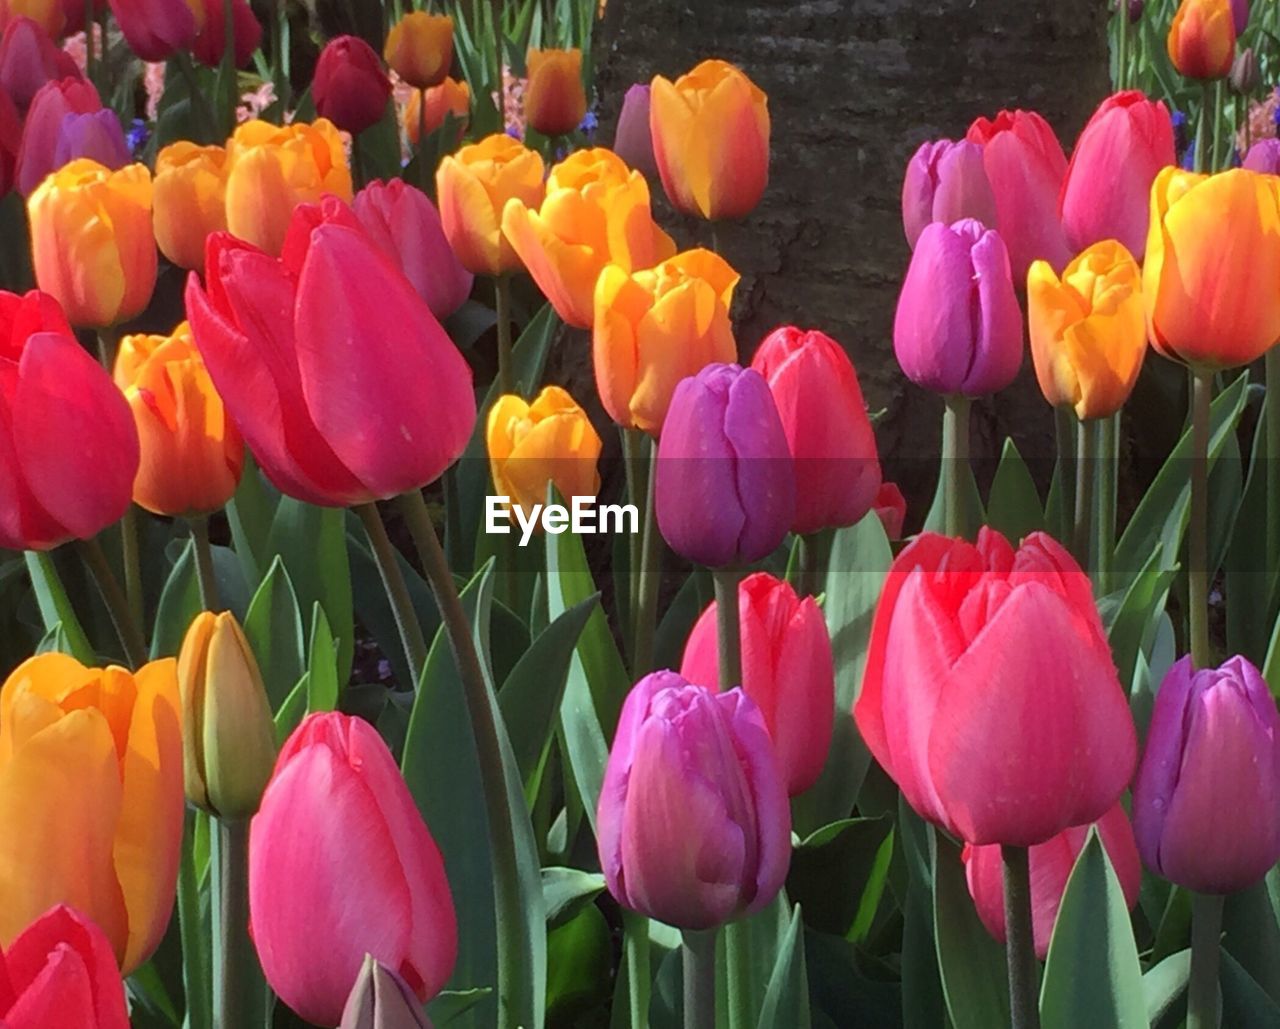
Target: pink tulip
x=156, y=29
x=633, y=139
x=945, y=182
x=1264, y=156
x=53, y=101
x=29, y=59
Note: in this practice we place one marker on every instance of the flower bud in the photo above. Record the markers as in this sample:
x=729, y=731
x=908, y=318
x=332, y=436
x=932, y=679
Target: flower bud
x=29, y=59
x=350, y=87
x=554, y=100
x=1202, y=39
x=52, y=102
x=945, y=182
x=157, y=29
x=633, y=140
x=419, y=48
x=1244, y=72
x=211, y=42
x=381, y=999
x=96, y=135
x=188, y=200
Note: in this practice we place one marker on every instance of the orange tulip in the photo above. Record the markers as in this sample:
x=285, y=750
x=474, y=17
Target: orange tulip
x=1088, y=329
x=711, y=140
x=1202, y=39
x=1212, y=264
x=473, y=186
x=554, y=100
x=192, y=455
x=91, y=798
x=190, y=200
x=596, y=212
x=92, y=243
x=419, y=48
x=450, y=97
x=656, y=327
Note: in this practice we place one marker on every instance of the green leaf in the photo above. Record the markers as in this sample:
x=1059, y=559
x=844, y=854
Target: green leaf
x=579, y=966
x=566, y=891
x=249, y=514
x=449, y=1006
x=1252, y=935
x=292, y=710
x=1244, y=1002
x=975, y=976
x=971, y=511
x=274, y=629
x=1132, y=627
x=786, y=998
x=180, y=596
x=323, y=686
x=1014, y=508
x=55, y=607
x=837, y=873
x=1164, y=985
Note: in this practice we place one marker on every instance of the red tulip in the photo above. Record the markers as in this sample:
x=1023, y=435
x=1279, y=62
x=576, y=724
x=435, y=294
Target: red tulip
x=891, y=506
x=73, y=13
x=336, y=372
x=350, y=87
x=341, y=865
x=815, y=388
x=990, y=695
x=29, y=59
x=10, y=141
x=211, y=42
x=53, y=101
x=157, y=29
x=68, y=446
x=786, y=669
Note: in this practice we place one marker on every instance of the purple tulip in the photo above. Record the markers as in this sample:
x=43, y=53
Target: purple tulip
x=958, y=328
x=1206, y=801
x=945, y=182
x=29, y=59
x=97, y=135
x=693, y=823
x=52, y=103
x=1264, y=156
x=1240, y=15
x=633, y=140
x=725, y=489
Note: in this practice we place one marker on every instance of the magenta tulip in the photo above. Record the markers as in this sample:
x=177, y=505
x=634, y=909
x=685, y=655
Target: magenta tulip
x=156, y=29
x=29, y=59
x=49, y=108
x=1264, y=156
x=1240, y=15
x=945, y=182
x=633, y=139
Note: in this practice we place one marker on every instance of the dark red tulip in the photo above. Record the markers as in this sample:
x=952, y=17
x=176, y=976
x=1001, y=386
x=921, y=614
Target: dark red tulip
x=211, y=42
x=350, y=87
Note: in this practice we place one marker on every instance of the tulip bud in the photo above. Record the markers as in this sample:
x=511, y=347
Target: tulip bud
x=29, y=59
x=97, y=136
x=725, y=488
x=211, y=43
x=693, y=824
x=945, y=182
x=1244, y=72
x=1135, y=9
x=633, y=140
x=891, y=508
x=1202, y=39
x=350, y=88
x=381, y=999
x=1239, y=15
x=419, y=48
x=1264, y=156
x=189, y=200
x=428, y=108
x=1206, y=801
x=554, y=100
x=157, y=29
x=50, y=106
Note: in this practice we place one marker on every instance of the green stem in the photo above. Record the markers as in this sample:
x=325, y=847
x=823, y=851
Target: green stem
x=397, y=590
x=357, y=163
x=502, y=297
x=955, y=457
x=204, y=563
x=1198, y=541
x=1202, y=987
x=55, y=606
x=728, y=627
x=228, y=70
x=1271, y=419
x=1217, y=160
x=1108, y=460
x=132, y=563
x=650, y=574
x=195, y=971
x=699, y=958
x=1020, y=944
x=90, y=51
x=131, y=638
x=633, y=456
x=1086, y=463
x=1064, y=431
x=199, y=98
x=1202, y=127
x=425, y=176
x=1122, y=50
x=635, y=955
x=815, y=559
x=238, y=998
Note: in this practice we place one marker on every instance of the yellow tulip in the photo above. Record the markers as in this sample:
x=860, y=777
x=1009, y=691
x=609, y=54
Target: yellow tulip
x=419, y=48
x=190, y=200
x=554, y=99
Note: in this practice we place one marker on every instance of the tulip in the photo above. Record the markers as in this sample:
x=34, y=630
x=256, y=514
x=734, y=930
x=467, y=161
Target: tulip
x=787, y=671
x=1239, y=15
x=91, y=241
x=596, y=212
x=73, y=10
x=825, y=418
x=891, y=508
x=554, y=100
x=632, y=139
x=406, y=225
x=52, y=103
x=1202, y=39
x=1245, y=72
x=945, y=182
x=1264, y=156
x=473, y=186
x=211, y=43
x=157, y=29
x=419, y=48
x=97, y=136
x=1051, y=863
x=272, y=170
x=725, y=490
x=192, y=455
x=350, y=87
x=958, y=328
x=656, y=327
x=451, y=98
x=381, y=999
x=1206, y=802
x=10, y=141
x=189, y=200
x=693, y=825
x=339, y=853
x=1213, y=257
x=46, y=15
x=989, y=695
x=75, y=481
x=1108, y=184
x=60, y=971
x=1025, y=166
x=360, y=400
x=103, y=749
x=29, y=59
x=548, y=441
x=1088, y=330
x=711, y=140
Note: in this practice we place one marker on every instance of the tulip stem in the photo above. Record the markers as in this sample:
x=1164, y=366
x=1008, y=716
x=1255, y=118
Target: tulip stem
x=199, y=100
x=229, y=83
x=1064, y=430
x=1217, y=160
x=1271, y=418
x=1202, y=987
x=1122, y=48
x=955, y=456
x=238, y=998
x=384, y=554
x=195, y=971
x=633, y=457
x=204, y=562
x=131, y=638
x=90, y=51
x=1198, y=544
x=1202, y=127
x=132, y=563
x=1108, y=458
x=1019, y=940
x=357, y=162
x=502, y=306
x=699, y=960
x=728, y=627
x=815, y=561
x=635, y=953
x=650, y=569
x=1086, y=464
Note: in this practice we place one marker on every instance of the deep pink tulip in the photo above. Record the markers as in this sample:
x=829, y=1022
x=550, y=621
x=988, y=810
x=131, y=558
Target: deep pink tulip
x=341, y=400
x=891, y=506
x=1264, y=156
x=350, y=86
x=1051, y=864
x=73, y=12
x=404, y=222
x=1206, y=802
x=1025, y=166
x=990, y=695
x=342, y=865
x=946, y=181
x=693, y=824
x=211, y=42
x=1107, y=192
x=156, y=29
x=29, y=59
x=958, y=328
x=633, y=139
x=1240, y=15
x=786, y=669
x=53, y=101
x=10, y=141
x=96, y=135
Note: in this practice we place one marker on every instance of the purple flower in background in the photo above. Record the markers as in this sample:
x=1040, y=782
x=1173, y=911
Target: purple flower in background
x=97, y=135
x=1264, y=156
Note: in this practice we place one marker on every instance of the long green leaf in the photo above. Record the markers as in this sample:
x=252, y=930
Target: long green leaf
x=55, y=607
x=274, y=629
x=786, y=998
x=974, y=973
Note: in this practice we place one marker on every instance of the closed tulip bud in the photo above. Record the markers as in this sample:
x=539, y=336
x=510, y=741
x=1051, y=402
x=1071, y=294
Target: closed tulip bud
x=1107, y=190
x=419, y=48
x=97, y=136
x=451, y=98
x=711, y=140
x=958, y=327
x=102, y=748
x=633, y=139
x=1206, y=802
x=91, y=241
x=554, y=99
x=891, y=508
x=1088, y=330
x=1134, y=9
x=990, y=696
x=52, y=103
x=1244, y=72
x=656, y=327
x=473, y=186
x=596, y=212
x=360, y=401
x=693, y=824
x=157, y=29
x=945, y=182
x=211, y=43
x=47, y=15
x=1202, y=39
x=1051, y=865
x=29, y=59
x=787, y=671
x=381, y=999
x=338, y=852
x=548, y=441
x=404, y=222
x=1213, y=248
x=725, y=490
x=272, y=170
x=60, y=971
x=350, y=87
x=192, y=455
x=1264, y=156
x=189, y=200
x=816, y=390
